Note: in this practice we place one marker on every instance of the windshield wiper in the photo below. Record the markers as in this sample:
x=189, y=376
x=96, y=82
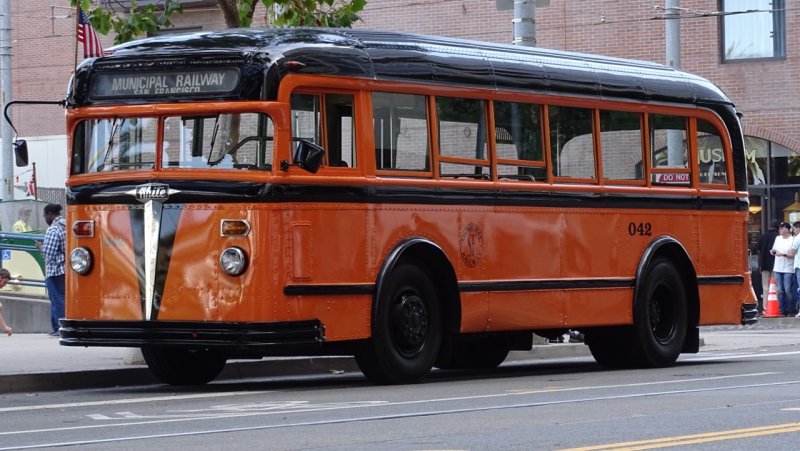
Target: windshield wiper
x=114, y=127
x=213, y=139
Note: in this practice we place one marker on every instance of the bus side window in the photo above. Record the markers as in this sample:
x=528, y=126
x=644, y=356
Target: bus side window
x=401, y=132
x=518, y=140
x=339, y=125
x=621, y=145
x=571, y=148
x=306, y=117
x=711, y=153
x=340, y=130
x=462, y=136
x=668, y=149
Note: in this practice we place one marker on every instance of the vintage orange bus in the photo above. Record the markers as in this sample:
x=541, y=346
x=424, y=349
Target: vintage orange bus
x=414, y=201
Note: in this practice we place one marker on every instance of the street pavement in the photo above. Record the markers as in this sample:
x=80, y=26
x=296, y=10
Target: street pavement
x=36, y=362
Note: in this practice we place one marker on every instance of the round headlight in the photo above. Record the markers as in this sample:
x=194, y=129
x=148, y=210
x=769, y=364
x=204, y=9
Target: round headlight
x=233, y=261
x=80, y=260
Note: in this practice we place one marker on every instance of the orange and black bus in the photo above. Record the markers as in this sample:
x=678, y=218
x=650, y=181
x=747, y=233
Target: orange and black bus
x=414, y=201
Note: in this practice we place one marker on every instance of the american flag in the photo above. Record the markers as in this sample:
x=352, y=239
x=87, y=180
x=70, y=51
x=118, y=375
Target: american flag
x=88, y=36
x=31, y=188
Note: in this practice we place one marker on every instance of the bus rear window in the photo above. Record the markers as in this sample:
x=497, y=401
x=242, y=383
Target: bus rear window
x=114, y=144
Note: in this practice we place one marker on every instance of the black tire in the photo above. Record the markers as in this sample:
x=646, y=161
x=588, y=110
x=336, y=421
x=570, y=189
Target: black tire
x=659, y=317
x=184, y=366
x=483, y=353
x=406, y=329
x=610, y=346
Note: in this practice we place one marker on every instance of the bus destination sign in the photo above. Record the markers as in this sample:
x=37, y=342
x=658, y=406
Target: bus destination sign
x=164, y=83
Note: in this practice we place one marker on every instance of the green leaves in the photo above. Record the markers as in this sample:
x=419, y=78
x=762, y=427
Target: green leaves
x=246, y=10
x=137, y=21
x=315, y=13
x=130, y=24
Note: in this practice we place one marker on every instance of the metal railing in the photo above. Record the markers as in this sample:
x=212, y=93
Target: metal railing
x=5, y=245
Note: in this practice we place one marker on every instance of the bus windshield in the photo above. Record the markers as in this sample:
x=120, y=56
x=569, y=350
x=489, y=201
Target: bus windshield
x=221, y=141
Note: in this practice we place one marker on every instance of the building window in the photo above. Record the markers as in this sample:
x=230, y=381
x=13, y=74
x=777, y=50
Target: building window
x=785, y=165
x=753, y=29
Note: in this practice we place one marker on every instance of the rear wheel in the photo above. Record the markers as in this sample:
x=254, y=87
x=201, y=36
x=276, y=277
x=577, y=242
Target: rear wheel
x=406, y=329
x=659, y=317
x=184, y=366
x=659, y=324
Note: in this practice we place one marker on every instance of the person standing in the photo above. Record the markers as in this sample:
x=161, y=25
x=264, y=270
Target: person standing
x=53, y=252
x=24, y=215
x=794, y=253
x=765, y=262
x=783, y=270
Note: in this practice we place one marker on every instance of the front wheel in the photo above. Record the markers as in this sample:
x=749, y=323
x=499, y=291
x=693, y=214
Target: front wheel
x=660, y=316
x=184, y=366
x=406, y=329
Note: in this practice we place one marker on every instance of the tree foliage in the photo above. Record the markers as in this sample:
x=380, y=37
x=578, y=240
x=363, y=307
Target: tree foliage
x=128, y=20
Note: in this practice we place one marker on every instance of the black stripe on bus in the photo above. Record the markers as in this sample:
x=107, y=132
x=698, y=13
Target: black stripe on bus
x=232, y=192
x=336, y=290
x=720, y=280
x=500, y=286
x=540, y=285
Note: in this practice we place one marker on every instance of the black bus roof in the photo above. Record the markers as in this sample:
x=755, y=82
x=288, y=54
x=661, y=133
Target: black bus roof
x=261, y=56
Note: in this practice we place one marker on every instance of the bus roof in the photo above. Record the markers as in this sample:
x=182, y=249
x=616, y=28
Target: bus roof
x=394, y=56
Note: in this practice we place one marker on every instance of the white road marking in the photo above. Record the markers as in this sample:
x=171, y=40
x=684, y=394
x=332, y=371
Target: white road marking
x=737, y=356
x=366, y=404
x=128, y=401
x=366, y=418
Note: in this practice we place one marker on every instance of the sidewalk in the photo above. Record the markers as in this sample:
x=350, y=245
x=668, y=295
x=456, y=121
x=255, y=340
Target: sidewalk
x=36, y=362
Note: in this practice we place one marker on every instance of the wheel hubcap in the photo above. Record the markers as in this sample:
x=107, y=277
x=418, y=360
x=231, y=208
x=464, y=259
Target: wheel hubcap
x=410, y=324
x=662, y=321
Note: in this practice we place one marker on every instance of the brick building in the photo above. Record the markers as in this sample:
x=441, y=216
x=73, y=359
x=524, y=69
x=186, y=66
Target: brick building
x=753, y=57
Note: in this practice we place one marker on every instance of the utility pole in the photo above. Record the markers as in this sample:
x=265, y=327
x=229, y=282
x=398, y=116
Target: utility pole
x=672, y=39
x=672, y=31
x=7, y=188
x=524, y=23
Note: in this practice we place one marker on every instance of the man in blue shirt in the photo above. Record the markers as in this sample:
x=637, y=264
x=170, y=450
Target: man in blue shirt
x=53, y=252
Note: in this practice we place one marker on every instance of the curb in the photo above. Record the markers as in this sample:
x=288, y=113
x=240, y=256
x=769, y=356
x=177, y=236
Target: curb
x=138, y=374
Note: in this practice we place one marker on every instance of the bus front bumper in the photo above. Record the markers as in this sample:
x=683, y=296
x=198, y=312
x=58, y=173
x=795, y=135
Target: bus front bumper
x=226, y=336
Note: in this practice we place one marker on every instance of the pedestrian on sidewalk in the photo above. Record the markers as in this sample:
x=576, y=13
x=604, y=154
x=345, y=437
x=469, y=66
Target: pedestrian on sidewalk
x=24, y=215
x=53, y=252
x=5, y=277
x=783, y=270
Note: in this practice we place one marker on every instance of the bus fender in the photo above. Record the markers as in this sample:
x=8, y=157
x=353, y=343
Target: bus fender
x=670, y=248
x=436, y=262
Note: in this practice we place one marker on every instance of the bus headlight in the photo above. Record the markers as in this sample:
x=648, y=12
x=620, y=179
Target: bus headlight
x=80, y=260
x=233, y=261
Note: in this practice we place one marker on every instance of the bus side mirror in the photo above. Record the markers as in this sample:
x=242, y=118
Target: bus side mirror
x=307, y=156
x=21, y=152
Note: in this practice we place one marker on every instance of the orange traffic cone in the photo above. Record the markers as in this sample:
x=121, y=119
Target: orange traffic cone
x=772, y=308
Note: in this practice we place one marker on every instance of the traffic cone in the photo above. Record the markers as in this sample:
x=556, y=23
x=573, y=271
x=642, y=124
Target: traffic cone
x=772, y=309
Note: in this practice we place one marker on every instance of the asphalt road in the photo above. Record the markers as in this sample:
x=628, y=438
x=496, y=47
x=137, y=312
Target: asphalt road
x=744, y=398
